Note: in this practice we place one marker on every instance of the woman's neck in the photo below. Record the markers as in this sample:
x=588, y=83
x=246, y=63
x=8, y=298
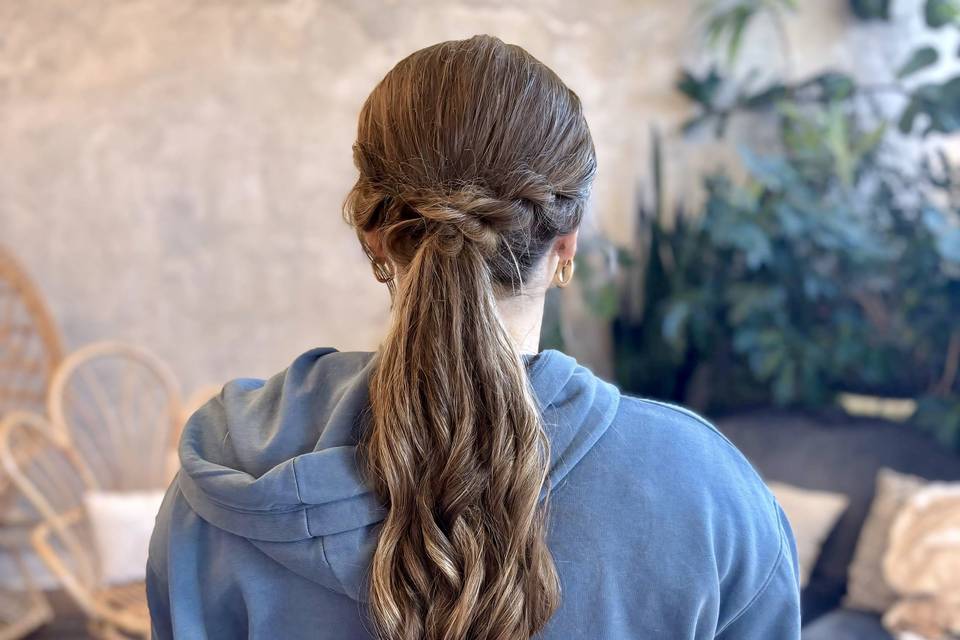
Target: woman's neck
x=522, y=316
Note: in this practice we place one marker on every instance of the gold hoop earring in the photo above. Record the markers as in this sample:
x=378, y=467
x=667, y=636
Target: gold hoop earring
x=564, y=273
x=382, y=271
x=381, y=268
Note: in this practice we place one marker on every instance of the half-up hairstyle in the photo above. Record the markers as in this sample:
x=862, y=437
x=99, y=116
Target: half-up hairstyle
x=473, y=157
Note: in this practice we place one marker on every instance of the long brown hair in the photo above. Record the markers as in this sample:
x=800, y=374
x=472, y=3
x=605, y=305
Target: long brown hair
x=473, y=158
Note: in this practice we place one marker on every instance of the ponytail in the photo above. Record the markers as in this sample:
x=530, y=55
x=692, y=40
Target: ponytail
x=457, y=448
x=473, y=158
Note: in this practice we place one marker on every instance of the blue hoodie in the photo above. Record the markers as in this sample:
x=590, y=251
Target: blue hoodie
x=660, y=529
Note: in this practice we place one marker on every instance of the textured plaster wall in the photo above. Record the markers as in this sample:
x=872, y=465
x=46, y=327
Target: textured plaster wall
x=171, y=172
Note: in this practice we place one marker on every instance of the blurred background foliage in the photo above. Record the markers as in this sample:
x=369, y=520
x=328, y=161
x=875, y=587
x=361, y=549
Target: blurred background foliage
x=833, y=266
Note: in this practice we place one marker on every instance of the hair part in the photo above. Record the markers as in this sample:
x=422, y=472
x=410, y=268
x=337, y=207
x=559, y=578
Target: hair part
x=473, y=157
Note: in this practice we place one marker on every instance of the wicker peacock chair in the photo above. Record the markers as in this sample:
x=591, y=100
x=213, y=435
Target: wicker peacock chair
x=54, y=478
x=30, y=350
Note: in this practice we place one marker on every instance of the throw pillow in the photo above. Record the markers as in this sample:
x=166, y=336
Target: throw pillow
x=122, y=523
x=922, y=564
x=867, y=589
x=812, y=515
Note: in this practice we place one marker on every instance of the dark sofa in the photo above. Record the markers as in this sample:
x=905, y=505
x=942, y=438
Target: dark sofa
x=836, y=453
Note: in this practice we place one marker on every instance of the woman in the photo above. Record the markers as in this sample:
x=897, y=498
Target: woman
x=404, y=494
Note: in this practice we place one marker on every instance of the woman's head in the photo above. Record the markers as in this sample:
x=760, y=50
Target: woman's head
x=475, y=165
x=477, y=141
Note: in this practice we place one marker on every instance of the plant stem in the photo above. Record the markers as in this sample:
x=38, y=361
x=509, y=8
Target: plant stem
x=945, y=384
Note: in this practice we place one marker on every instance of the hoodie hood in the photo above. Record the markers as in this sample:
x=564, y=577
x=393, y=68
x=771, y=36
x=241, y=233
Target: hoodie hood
x=275, y=461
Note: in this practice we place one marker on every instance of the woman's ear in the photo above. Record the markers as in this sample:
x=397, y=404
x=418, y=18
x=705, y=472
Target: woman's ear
x=372, y=240
x=565, y=246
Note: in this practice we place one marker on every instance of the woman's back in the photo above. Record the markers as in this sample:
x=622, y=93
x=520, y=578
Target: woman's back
x=455, y=485
x=658, y=527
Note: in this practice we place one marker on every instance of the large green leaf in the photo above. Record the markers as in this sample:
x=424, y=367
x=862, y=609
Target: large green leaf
x=834, y=85
x=920, y=59
x=940, y=103
x=939, y=13
x=909, y=116
x=871, y=9
x=727, y=22
x=734, y=24
x=766, y=97
x=944, y=109
x=838, y=142
x=870, y=141
x=771, y=171
x=701, y=89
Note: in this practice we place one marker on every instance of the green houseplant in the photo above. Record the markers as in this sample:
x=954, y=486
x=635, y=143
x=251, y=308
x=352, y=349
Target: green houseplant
x=833, y=266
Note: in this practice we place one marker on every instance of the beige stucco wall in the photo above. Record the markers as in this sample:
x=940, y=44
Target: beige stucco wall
x=171, y=172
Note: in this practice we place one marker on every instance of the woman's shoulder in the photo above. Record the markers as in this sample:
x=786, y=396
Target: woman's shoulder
x=671, y=466
x=671, y=499
x=683, y=440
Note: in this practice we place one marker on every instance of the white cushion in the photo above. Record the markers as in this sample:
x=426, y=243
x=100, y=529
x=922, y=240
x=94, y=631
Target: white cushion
x=122, y=523
x=812, y=515
x=867, y=588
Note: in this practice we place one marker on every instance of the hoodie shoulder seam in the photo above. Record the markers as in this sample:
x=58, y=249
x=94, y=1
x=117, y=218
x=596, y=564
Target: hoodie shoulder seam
x=692, y=415
x=766, y=582
x=296, y=485
x=326, y=561
x=296, y=478
x=771, y=502
x=712, y=428
x=689, y=414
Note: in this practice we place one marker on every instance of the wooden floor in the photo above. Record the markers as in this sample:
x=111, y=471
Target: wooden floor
x=68, y=623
